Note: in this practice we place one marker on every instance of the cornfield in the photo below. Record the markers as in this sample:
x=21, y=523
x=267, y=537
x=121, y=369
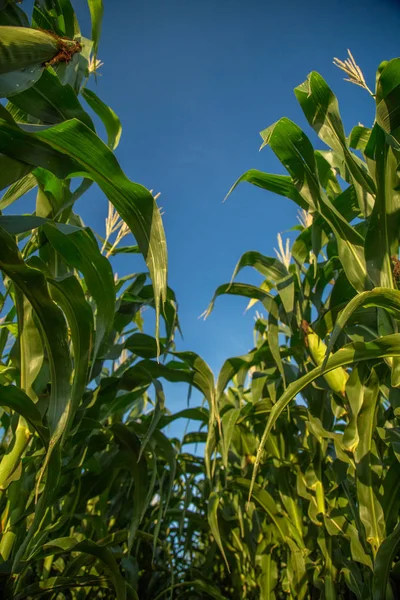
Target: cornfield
x=297, y=494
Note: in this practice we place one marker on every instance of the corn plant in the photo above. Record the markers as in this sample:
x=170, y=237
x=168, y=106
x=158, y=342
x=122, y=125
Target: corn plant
x=304, y=450
x=86, y=474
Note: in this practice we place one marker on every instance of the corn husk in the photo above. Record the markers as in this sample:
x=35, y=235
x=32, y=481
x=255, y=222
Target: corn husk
x=337, y=378
x=22, y=47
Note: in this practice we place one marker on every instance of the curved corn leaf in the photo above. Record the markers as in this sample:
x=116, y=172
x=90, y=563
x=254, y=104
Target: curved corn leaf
x=387, y=99
x=382, y=239
x=381, y=297
x=17, y=190
x=15, y=224
x=273, y=337
x=17, y=400
x=96, y=15
x=321, y=109
x=11, y=171
x=33, y=285
x=61, y=149
x=137, y=466
x=51, y=102
x=383, y=564
x=267, y=503
x=71, y=544
x=142, y=345
x=203, y=377
x=80, y=250
x=294, y=150
x=239, y=289
x=387, y=346
x=212, y=514
x=68, y=294
x=278, y=184
x=59, y=583
x=11, y=14
x=270, y=267
x=228, y=423
x=107, y=115
x=16, y=82
x=365, y=455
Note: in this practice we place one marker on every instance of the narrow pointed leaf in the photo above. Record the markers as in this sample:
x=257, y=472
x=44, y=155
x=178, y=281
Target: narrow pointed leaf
x=61, y=149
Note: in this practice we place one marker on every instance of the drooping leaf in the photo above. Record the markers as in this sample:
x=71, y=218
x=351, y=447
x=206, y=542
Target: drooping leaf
x=295, y=151
x=61, y=149
x=80, y=250
x=212, y=513
x=383, y=564
x=51, y=102
x=387, y=346
x=107, y=115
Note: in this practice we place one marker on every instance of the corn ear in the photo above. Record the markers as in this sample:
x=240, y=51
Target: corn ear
x=337, y=378
x=22, y=47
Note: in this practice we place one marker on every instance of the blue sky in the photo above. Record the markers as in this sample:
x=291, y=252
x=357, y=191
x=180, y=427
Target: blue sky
x=193, y=83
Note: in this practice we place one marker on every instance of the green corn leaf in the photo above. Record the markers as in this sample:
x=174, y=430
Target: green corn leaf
x=58, y=16
x=71, y=544
x=147, y=370
x=107, y=115
x=167, y=449
x=278, y=184
x=212, y=514
x=267, y=503
x=11, y=14
x=391, y=496
x=33, y=285
x=138, y=468
x=382, y=239
x=15, y=224
x=96, y=15
x=383, y=564
x=321, y=109
x=233, y=365
x=209, y=589
x=384, y=298
x=195, y=414
x=203, y=377
x=156, y=416
x=298, y=570
x=59, y=583
x=228, y=422
x=239, y=289
x=270, y=267
x=16, y=82
x=387, y=100
x=61, y=148
x=12, y=171
x=365, y=454
x=359, y=137
x=80, y=250
x=22, y=186
x=68, y=294
x=296, y=153
x=17, y=400
x=51, y=102
x=387, y=346
x=273, y=336
x=143, y=345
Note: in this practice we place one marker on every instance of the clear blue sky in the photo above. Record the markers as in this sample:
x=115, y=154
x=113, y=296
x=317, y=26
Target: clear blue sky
x=194, y=81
